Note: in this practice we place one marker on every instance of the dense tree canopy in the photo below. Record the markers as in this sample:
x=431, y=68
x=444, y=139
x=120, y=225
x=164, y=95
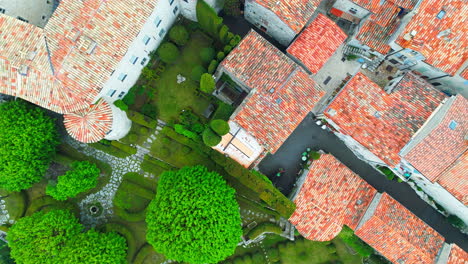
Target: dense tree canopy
x=210, y=138
x=57, y=237
x=27, y=143
x=82, y=177
x=168, y=52
x=207, y=83
x=179, y=35
x=194, y=217
x=220, y=126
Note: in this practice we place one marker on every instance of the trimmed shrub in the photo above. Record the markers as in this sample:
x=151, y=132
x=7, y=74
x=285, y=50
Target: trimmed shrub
x=315, y=155
x=219, y=126
x=168, y=52
x=266, y=227
x=181, y=130
x=129, y=149
x=223, y=31
x=235, y=40
x=121, y=105
x=207, y=54
x=220, y=56
x=212, y=67
x=179, y=35
x=197, y=72
x=229, y=36
x=456, y=221
x=207, y=83
x=210, y=138
x=227, y=49
x=223, y=111
x=209, y=21
x=142, y=119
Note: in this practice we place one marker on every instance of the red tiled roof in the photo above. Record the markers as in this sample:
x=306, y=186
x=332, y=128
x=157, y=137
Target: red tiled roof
x=377, y=30
x=295, y=13
x=455, y=179
x=381, y=122
x=270, y=116
x=91, y=124
x=399, y=235
x=442, y=146
x=331, y=196
x=317, y=43
x=448, y=51
x=464, y=73
x=374, y=5
x=72, y=79
x=457, y=256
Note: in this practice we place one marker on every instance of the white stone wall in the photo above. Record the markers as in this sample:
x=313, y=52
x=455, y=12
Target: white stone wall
x=120, y=124
x=188, y=7
x=114, y=88
x=263, y=17
x=346, y=6
x=442, y=196
x=37, y=12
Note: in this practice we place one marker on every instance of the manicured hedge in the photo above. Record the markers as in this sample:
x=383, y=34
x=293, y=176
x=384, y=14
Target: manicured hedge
x=130, y=217
x=224, y=111
x=127, y=234
x=266, y=227
x=212, y=67
x=127, y=148
x=112, y=150
x=220, y=126
x=158, y=162
x=142, y=119
x=210, y=138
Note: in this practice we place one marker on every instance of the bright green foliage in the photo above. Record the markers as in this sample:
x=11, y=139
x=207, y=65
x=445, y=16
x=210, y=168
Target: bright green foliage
x=56, y=237
x=207, y=54
x=212, y=67
x=168, y=52
x=208, y=19
x=181, y=130
x=210, y=138
x=121, y=105
x=315, y=155
x=223, y=31
x=197, y=72
x=27, y=143
x=227, y=49
x=223, y=111
x=220, y=56
x=207, y=83
x=220, y=126
x=179, y=35
x=348, y=236
x=82, y=177
x=194, y=217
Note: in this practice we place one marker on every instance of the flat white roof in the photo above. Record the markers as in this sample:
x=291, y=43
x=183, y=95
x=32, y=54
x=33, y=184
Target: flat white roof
x=35, y=12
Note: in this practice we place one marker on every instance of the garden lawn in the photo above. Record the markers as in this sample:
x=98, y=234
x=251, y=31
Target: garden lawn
x=172, y=97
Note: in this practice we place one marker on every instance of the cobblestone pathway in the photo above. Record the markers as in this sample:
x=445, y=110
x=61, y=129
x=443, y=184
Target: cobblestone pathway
x=120, y=166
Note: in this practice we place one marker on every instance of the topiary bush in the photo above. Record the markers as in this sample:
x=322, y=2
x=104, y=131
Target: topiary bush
x=207, y=83
x=179, y=35
x=220, y=126
x=197, y=72
x=223, y=32
x=168, y=52
x=212, y=67
x=220, y=56
x=227, y=49
x=207, y=54
x=210, y=138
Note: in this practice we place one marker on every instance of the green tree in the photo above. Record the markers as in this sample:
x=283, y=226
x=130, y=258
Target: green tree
x=179, y=35
x=207, y=54
x=209, y=21
x=57, y=237
x=207, y=83
x=212, y=67
x=220, y=126
x=168, y=52
x=194, y=217
x=197, y=72
x=82, y=177
x=210, y=138
x=27, y=143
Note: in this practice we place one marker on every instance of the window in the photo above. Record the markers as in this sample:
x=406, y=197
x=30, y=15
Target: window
x=453, y=124
x=157, y=21
x=146, y=39
x=121, y=94
x=353, y=11
x=111, y=93
x=436, y=84
x=122, y=77
x=171, y=2
x=22, y=19
x=133, y=59
x=186, y=1
x=414, y=52
x=143, y=61
x=162, y=32
x=441, y=14
x=175, y=10
x=2, y=10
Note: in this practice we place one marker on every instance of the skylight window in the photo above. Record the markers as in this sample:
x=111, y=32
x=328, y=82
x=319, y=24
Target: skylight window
x=453, y=124
x=441, y=14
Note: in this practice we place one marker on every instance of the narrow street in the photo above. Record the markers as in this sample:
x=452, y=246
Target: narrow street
x=308, y=134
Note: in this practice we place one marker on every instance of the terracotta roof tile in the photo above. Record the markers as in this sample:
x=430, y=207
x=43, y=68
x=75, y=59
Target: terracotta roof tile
x=443, y=41
x=331, y=196
x=399, y=235
x=457, y=256
x=381, y=122
x=317, y=43
x=464, y=73
x=91, y=124
x=282, y=93
x=455, y=179
x=295, y=13
x=443, y=145
x=374, y=5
